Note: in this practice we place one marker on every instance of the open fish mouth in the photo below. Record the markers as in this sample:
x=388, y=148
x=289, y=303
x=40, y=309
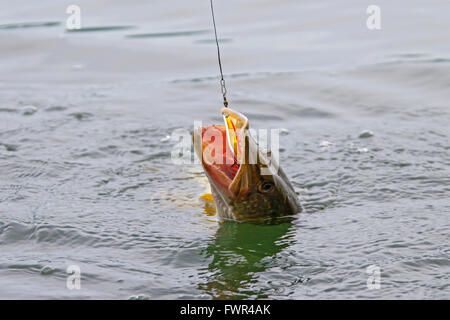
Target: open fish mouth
x=224, y=152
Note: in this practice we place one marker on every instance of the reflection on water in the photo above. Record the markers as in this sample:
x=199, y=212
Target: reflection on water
x=30, y=25
x=100, y=29
x=167, y=34
x=239, y=252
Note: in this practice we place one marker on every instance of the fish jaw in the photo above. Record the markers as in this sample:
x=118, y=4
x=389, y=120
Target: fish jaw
x=216, y=158
x=219, y=180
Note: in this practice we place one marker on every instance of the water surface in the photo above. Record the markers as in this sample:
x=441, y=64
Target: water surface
x=85, y=171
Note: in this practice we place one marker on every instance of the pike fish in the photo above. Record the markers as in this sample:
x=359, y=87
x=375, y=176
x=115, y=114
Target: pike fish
x=246, y=182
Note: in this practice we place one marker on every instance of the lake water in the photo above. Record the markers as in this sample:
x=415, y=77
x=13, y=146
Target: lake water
x=86, y=178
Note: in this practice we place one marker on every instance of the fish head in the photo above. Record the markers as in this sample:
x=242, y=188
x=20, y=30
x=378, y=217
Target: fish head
x=246, y=183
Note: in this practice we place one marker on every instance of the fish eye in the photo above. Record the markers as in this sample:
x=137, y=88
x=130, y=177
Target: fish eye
x=266, y=186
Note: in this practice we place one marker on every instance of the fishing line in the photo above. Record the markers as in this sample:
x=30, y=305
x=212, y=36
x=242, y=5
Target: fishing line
x=222, y=80
x=228, y=123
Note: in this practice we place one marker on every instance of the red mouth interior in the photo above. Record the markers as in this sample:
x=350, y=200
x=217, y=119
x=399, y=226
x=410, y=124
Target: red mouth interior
x=223, y=167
